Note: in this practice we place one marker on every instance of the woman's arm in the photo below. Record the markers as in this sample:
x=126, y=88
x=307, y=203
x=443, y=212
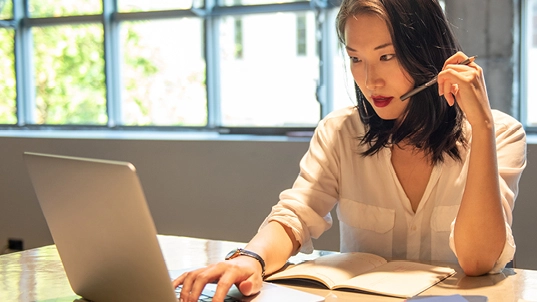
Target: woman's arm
x=302, y=213
x=480, y=225
x=480, y=231
x=274, y=243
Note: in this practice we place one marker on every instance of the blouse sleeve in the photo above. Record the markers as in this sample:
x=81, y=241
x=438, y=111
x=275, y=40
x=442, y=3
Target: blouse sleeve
x=305, y=208
x=511, y=153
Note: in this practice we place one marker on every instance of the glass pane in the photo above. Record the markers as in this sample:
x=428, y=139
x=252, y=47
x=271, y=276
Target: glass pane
x=269, y=73
x=344, y=94
x=443, y=4
x=163, y=73
x=69, y=75
x=6, y=9
x=8, y=113
x=531, y=65
x=253, y=2
x=59, y=8
x=153, y=5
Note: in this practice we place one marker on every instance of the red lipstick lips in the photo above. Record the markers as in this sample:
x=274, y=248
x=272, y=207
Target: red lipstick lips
x=381, y=101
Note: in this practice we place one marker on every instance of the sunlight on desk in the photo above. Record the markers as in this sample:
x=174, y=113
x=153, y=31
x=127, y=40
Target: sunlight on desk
x=38, y=275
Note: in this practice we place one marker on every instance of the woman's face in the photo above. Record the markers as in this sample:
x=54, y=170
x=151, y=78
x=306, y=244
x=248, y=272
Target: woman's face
x=375, y=67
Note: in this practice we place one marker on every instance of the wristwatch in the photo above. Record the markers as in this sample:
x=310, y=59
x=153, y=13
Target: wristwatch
x=242, y=252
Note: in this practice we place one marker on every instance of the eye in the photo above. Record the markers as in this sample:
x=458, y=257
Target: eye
x=355, y=59
x=387, y=57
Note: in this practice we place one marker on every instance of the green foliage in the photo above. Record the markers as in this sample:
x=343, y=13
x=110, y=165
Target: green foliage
x=8, y=114
x=7, y=78
x=6, y=9
x=69, y=74
x=163, y=78
x=58, y=8
x=141, y=68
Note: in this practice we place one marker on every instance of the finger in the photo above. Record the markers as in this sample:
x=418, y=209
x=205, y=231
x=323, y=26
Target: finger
x=446, y=92
x=186, y=280
x=450, y=79
x=454, y=94
x=204, y=277
x=246, y=287
x=454, y=89
x=224, y=284
x=467, y=84
x=251, y=286
x=457, y=68
x=455, y=59
x=189, y=280
x=450, y=99
x=179, y=280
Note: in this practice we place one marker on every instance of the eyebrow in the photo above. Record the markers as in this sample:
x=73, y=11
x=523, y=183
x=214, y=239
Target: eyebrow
x=376, y=48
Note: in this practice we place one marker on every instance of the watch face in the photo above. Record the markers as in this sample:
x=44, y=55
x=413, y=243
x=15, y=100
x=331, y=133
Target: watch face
x=242, y=252
x=231, y=254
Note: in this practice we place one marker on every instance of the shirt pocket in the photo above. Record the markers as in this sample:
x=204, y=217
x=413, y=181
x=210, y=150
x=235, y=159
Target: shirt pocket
x=442, y=217
x=366, y=217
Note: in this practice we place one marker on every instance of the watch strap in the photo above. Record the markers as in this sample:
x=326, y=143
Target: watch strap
x=243, y=252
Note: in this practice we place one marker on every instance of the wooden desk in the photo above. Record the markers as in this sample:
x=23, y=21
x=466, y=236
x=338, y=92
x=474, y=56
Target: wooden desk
x=38, y=275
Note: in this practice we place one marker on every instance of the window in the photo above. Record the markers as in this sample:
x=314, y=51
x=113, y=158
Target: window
x=162, y=79
x=208, y=65
x=61, y=8
x=6, y=10
x=7, y=74
x=68, y=75
x=7, y=65
x=129, y=6
x=529, y=69
x=301, y=34
x=270, y=84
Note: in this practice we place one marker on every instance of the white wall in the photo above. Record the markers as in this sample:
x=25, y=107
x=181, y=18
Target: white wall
x=209, y=189
x=525, y=213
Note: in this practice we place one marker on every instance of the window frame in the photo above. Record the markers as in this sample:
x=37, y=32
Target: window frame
x=111, y=19
x=525, y=14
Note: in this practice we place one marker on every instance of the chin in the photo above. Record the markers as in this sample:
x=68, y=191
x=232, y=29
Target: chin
x=388, y=117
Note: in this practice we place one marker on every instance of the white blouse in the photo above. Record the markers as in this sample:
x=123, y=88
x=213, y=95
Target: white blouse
x=374, y=212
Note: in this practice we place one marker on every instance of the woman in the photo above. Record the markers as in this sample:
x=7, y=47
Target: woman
x=433, y=177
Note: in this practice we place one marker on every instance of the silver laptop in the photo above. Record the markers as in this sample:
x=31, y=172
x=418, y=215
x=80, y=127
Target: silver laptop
x=100, y=222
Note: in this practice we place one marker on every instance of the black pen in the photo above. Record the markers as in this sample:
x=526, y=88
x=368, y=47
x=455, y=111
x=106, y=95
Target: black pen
x=433, y=81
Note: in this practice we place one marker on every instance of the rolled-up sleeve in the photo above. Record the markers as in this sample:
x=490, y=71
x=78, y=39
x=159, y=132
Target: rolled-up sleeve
x=305, y=208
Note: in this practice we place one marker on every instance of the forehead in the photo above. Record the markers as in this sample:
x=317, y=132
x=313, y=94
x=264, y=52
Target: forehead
x=366, y=31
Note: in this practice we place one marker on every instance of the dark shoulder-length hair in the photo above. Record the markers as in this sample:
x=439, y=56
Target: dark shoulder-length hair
x=422, y=40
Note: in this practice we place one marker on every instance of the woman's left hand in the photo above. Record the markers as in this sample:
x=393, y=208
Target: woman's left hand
x=465, y=84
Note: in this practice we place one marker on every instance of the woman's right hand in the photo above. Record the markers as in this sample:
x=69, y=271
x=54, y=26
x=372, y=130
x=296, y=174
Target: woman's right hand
x=244, y=272
x=274, y=243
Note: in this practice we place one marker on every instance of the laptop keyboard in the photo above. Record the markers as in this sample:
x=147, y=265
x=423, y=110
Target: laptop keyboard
x=207, y=294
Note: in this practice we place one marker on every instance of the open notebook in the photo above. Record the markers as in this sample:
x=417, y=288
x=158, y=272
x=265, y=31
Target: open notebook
x=100, y=222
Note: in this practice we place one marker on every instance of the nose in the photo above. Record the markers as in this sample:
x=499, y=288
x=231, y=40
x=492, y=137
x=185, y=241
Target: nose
x=373, y=79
